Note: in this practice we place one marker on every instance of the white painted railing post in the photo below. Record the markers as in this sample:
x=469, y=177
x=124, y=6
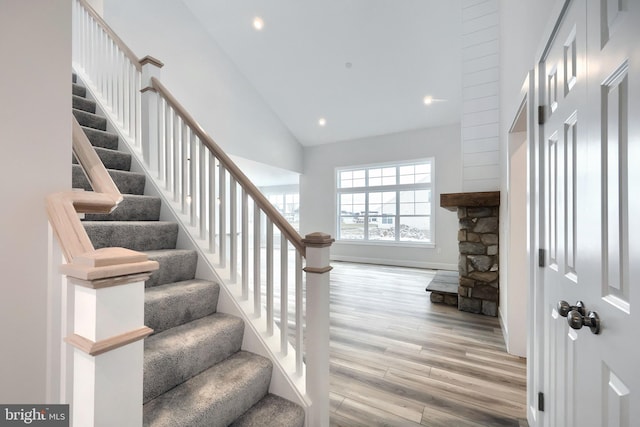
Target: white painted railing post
x=318, y=247
x=149, y=111
x=108, y=349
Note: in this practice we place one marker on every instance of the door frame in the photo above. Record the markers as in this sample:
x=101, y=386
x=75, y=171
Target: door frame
x=514, y=295
x=533, y=307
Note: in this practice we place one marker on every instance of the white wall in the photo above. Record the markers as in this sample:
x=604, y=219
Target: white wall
x=523, y=24
x=480, y=104
x=513, y=298
x=35, y=136
x=204, y=80
x=318, y=199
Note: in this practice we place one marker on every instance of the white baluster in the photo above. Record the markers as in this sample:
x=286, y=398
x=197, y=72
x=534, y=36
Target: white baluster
x=202, y=202
x=175, y=171
x=257, y=239
x=245, y=245
x=193, y=171
x=212, y=203
x=233, y=232
x=284, y=294
x=222, y=215
x=126, y=91
x=138, y=111
x=168, y=149
x=269, y=277
x=299, y=316
x=162, y=140
x=184, y=165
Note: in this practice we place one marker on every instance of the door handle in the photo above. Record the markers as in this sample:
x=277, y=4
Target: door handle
x=564, y=308
x=577, y=320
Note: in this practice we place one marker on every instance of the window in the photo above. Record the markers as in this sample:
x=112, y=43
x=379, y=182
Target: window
x=386, y=203
x=288, y=204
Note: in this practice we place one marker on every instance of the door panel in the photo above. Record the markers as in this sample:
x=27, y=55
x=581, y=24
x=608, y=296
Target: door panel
x=614, y=98
x=565, y=147
x=590, y=207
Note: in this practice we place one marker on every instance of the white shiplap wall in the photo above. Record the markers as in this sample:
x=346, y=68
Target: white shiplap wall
x=480, y=83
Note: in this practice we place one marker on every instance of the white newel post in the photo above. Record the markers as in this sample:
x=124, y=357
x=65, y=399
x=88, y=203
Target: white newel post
x=318, y=247
x=149, y=111
x=108, y=350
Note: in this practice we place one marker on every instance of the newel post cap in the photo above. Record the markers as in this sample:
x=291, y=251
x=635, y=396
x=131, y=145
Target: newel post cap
x=150, y=69
x=318, y=239
x=151, y=60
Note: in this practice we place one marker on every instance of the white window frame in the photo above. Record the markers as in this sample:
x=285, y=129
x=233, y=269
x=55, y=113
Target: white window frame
x=397, y=188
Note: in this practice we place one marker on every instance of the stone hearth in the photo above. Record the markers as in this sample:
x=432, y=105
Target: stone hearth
x=478, y=220
x=444, y=287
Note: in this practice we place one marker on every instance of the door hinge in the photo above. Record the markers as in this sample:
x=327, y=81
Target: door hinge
x=542, y=255
x=541, y=115
x=541, y=401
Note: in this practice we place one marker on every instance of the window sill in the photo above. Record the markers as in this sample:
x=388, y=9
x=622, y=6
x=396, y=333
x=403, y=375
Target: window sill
x=386, y=243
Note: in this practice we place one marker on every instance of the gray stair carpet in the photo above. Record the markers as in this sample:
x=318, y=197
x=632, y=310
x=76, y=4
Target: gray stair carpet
x=195, y=373
x=112, y=159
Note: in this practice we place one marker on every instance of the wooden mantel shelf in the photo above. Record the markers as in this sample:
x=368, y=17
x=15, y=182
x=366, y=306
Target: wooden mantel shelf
x=452, y=201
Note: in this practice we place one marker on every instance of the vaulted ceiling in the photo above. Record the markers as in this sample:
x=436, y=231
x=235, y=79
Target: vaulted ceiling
x=365, y=66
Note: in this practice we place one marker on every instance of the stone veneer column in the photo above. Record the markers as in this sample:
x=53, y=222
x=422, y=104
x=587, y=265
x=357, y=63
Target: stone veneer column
x=478, y=260
x=478, y=216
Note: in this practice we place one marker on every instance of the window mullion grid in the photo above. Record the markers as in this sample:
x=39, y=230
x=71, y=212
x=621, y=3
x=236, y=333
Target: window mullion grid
x=366, y=215
x=366, y=205
x=397, y=220
x=397, y=188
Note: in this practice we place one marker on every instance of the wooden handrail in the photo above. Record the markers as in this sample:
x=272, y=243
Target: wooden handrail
x=118, y=41
x=84, y=262
x=276, y=217
x=87, y=157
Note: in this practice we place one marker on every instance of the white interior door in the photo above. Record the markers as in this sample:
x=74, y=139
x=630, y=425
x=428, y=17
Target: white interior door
x=589, y=84
x=564, y=147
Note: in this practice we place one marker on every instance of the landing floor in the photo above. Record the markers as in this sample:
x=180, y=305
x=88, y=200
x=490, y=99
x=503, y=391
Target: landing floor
x=399, y=360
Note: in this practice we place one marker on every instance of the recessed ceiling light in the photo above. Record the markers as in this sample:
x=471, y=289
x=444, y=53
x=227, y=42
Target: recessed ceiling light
x=428, y=100
x=258, y=23
x=322, y=121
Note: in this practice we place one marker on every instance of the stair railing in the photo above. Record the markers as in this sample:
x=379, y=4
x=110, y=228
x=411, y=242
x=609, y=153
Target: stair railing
x=83, y=261
x=232, y=221
x=113, y=70
x=238, y=226
x=102, y=344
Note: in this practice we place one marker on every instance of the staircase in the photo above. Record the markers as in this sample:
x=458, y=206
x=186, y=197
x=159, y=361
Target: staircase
x=195, y=372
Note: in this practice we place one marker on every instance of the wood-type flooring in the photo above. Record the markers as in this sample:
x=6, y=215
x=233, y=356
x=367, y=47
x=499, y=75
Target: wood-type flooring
x=399, y=360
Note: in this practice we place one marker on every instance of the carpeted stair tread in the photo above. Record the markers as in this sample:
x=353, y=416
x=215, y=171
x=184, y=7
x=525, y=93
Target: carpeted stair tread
x=84, y=104
x=100, y=138
x=112, y=159
x=175, y=265
x=272, y=411
x=127, y=182
x=173, y=356
x=216, y=397
x=90, y=120
x=77, y=89
x=135, y=235
x=175, y=304
x=133, y=207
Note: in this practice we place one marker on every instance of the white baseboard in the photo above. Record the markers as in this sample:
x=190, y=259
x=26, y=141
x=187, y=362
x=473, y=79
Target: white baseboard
x=505, y=331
